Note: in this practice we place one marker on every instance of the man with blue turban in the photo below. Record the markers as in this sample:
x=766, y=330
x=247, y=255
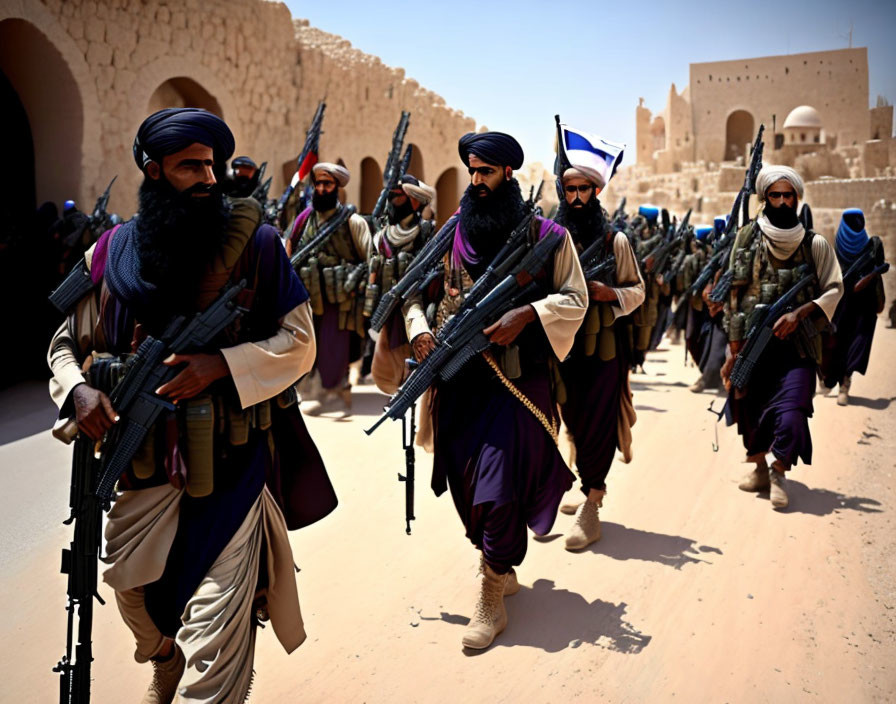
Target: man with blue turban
x=863, y=299
x=493, y=427
x=772, y=413
x=196, y=540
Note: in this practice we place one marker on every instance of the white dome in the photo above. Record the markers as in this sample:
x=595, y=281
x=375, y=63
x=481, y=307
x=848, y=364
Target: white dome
x=803, y=116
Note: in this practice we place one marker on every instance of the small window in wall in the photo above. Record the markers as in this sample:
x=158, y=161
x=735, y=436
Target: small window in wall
x=786, y=70
x=802, y=136
x=817, y=139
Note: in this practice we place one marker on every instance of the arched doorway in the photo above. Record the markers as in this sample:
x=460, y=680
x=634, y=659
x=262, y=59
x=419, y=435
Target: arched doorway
x=415, y=168
x=738, y=133
x=371, y=184
x=44, y=129
x=183, y=92
x=447, y=195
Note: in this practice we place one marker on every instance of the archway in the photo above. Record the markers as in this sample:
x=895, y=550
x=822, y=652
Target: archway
x=738, y=133
x=447, y=195
x=658, y=133
x=415, y=168
x=371, y=184
x=183, y=92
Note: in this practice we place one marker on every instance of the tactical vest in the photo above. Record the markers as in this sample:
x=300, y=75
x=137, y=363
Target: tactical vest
x=386, y=271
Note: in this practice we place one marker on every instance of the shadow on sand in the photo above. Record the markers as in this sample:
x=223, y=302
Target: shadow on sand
x=875, y=404
x=25, y=410
x=823, y=502
x=542, y=616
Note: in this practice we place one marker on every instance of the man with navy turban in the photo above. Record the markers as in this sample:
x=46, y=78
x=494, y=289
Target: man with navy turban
x=493, y=427
x=863, y=299
x=772, y=413
x=200, y=519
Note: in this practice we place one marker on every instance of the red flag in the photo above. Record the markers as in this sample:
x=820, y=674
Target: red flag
x=307, y=165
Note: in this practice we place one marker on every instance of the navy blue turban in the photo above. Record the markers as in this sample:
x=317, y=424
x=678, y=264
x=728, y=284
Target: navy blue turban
x=851, y=236
x=244, y=161
x=492, y=147
x=170, y=130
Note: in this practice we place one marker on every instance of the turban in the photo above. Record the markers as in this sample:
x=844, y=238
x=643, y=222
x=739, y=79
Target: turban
x=416, y=189
x=720, y=222
x=492, y=147
x=585, y=173
x=339, y=173
x=650, y=212
x=772, y=174
x=170, y=130
x=851, y=236
x=244, y=161
x=701, y=231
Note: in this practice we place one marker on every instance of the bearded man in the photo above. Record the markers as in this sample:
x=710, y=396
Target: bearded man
x=245, y=177
x=772, y=415
x=337, y=313
x=493, y=426
x=196, y=539
x=596, y=399
x=410, y=225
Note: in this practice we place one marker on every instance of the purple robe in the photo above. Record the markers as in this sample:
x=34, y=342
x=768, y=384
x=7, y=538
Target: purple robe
x=854, y=322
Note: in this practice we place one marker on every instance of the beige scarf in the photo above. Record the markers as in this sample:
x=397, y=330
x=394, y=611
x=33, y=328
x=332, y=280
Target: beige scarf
x=781, y=243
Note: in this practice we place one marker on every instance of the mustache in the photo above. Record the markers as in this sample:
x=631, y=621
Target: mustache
x=199, y=188
x=577, y=203
x=481, y=189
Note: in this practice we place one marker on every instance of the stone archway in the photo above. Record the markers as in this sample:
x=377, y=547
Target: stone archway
x=447, y=195
x=738, y=133
x=183, y=92
x=415, y=168
x=371, y=184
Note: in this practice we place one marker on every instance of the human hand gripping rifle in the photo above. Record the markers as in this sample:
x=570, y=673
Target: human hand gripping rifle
x=326, y=232
x=392, y=172
x=311, y=146
x=457, y=344
x=762, y=329
x=740, y=212
x=424, y=263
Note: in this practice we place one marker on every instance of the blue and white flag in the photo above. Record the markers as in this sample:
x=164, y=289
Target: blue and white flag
x=594, y=156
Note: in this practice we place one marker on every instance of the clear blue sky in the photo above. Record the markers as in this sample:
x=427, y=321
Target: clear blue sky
x=513, y=65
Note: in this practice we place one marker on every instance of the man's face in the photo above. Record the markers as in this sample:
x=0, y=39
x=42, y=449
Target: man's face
x=244, y=170
x=324, y=183
x=397, y=197
x=485, y=178
x=190, y=169
x=578, y=191
x=781, y=193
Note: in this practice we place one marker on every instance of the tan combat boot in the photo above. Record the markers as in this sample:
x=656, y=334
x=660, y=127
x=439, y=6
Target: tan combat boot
x=777, y=494
x=757, y=480
x=586, y=529
x=511, y=586
x=165, y=678
x=489, y=616
x=843, y=396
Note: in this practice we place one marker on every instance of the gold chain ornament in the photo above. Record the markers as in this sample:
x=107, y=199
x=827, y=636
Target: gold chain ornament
x=551, y=426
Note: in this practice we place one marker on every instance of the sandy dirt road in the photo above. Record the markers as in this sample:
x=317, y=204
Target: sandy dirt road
x=696, y=593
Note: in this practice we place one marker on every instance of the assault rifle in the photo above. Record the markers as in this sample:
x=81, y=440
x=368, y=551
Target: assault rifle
x=661, y=253
x=311, y=146
x=99, y=216
x=741, y=207
x=79, y=562
x=760, y=333
x=619, y=217
x=326, y=232
x=457, y=344
x=408, y=433
x=535, y=196
x=393, y=172
x=135, y=399
x=424, y=263
x=872, y=253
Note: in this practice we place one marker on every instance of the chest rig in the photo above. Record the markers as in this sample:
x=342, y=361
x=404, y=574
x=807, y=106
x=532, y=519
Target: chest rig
x=384, y=270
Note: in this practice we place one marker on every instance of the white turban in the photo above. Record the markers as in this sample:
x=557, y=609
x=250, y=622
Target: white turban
x=586, y=173
x=419, y=192
x=339, y=173
x=772, y=173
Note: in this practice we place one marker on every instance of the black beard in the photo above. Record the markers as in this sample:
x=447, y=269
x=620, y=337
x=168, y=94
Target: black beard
x=324, y=202
x=242, y=186
x=585, y=224
x=488, y=221
x=783, y=217
x=397, y=214
x=178, y=236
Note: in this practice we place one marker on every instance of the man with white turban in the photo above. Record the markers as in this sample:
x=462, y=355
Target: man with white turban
x=772, y=414
x=337, y=312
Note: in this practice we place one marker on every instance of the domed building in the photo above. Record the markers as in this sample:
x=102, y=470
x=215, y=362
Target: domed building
x=803, y=126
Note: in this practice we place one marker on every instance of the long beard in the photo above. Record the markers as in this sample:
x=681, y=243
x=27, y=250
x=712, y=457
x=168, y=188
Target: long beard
x=783, y=217
x=488, y=221
x=584, y=224
x=178, y=237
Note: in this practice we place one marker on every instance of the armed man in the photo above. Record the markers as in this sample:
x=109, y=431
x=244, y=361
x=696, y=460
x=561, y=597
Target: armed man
x=245, y=177
x=196, y=540
x=410, y=225
x=594, y=394
x=338, y=314
x=861, y=259
x=493, y=426
x=646, y=235
x=770, y=372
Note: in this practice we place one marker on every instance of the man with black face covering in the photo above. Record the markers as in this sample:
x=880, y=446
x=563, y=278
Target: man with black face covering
x=394, y=247
x=245, y=177
x=196, y=539
x=772, y=415
x=493, y=427
x=337, y=313
x=595, y=396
